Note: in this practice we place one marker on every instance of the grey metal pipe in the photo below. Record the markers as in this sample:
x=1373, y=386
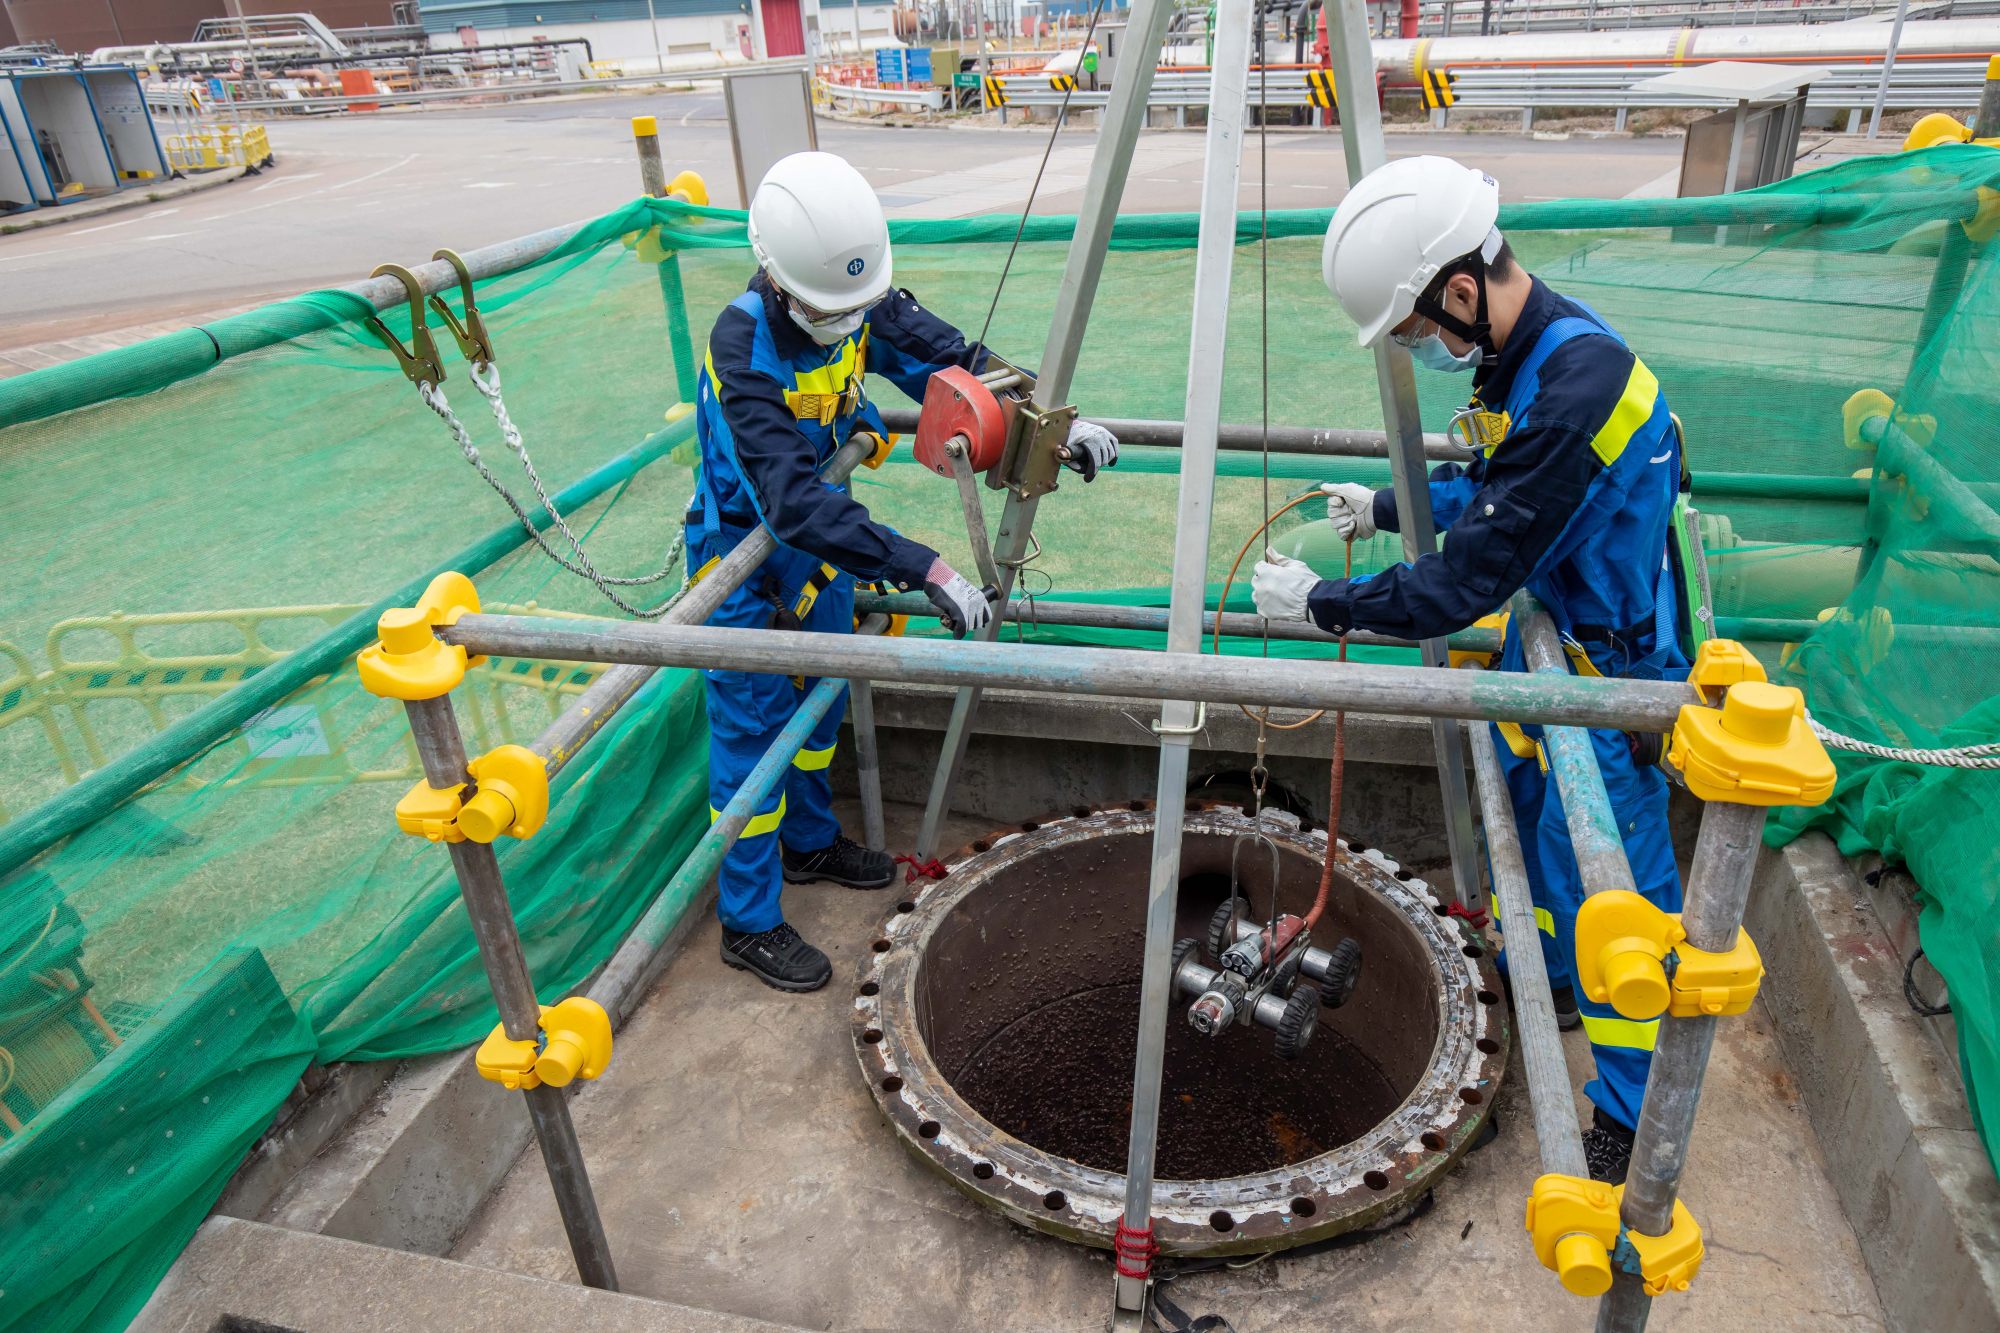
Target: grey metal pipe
x=1639, y=705
x=441, y=748
x=1215, y=247
x=867, y=762
x=618, y=985
x=1725, y=856
x=1593, y=828
x=1235, y=624
x=1317, y=441
x=561, y=740
x=1550, y=1099
x=1110, y=165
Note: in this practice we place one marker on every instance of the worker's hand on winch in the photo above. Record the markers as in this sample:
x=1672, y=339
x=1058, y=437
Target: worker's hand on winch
x=1089, y=448
x=1281, y=585
x=1351, y=509
x=962, y=608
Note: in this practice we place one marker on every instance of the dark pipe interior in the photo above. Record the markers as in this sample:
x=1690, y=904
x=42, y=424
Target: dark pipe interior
x=1028, y=1000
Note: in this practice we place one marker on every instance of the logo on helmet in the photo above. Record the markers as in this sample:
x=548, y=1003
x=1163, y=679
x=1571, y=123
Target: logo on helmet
x=854, y=267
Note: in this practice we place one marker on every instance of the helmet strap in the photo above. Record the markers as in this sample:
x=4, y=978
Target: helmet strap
x=1480, y=331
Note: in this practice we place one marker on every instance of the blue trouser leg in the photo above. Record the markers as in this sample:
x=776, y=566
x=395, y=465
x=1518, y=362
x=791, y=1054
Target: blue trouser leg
x=1527, y=785
x=809, y=822
x=1622, y=1047
x=746, y=712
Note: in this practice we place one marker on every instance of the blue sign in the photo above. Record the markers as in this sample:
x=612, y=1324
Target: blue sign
x=216, y=90
x=903, y=64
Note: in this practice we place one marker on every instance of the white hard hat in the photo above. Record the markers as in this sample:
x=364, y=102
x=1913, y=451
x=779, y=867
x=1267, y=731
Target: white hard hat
x=817, y=228
x=1397, y=228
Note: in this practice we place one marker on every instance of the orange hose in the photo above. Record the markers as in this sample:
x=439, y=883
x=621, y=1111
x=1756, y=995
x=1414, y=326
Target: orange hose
x=1337, y=780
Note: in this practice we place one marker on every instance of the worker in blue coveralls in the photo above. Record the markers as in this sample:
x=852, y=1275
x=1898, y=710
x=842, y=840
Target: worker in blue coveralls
x=780, y=392
x=1570, y=495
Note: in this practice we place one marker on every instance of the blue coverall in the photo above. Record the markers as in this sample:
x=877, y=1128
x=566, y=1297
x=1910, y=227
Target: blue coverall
x=1574, y=503
x=771, y=409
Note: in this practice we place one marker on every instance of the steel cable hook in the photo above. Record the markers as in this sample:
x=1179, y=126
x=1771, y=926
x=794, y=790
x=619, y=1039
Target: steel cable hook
x=474, y=343
x=420, y=361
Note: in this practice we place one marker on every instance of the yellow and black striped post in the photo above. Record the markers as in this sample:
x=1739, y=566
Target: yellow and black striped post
x=1437, y=89
x=1319, y=88
x=1063, y=83
x=994, y=91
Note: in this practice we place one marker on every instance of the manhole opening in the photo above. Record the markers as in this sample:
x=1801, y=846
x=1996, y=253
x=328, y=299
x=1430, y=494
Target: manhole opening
x=1042, y=1047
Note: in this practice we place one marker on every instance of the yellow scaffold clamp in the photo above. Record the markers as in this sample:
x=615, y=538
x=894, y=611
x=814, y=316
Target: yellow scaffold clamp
x=510, y=797
x=575, y=1043
x=1578, y=1237
x=1636, y=958
x=1496, y=622
x=1757, y=748
x=409, y=661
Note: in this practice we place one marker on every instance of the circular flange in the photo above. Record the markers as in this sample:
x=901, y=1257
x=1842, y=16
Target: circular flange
x=1369, y=1180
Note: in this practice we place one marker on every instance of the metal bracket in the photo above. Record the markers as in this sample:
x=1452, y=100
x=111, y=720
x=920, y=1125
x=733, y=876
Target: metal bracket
x=975, y=513
x=1033, y=457
x=474, y=343
x=1200, y=723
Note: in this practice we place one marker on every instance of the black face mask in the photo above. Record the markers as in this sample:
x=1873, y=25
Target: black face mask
x=1480, y=331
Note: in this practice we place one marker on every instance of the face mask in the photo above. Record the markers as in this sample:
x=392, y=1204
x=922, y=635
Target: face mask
x=827, y=332
x=1432, y=354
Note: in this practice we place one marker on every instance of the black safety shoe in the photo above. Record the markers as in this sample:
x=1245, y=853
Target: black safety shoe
x=844, y=862
x=777, y=957
x=1568, y=1019
x=1607, y=1149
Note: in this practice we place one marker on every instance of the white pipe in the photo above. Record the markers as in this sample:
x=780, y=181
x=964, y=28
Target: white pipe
x=1855, y=41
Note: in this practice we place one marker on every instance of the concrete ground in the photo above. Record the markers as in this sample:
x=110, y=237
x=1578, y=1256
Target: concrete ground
x=350, y=192
x=740, y=1166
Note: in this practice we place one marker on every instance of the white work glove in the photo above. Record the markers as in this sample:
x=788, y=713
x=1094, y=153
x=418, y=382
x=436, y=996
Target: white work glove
x=1281, y=585
x=1089, y=448
x=1351, y=509
x=962, y=608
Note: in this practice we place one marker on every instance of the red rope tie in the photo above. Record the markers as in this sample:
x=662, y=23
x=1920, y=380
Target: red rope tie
x=1134, y=1250
x=931, y=869
x=1474, y=917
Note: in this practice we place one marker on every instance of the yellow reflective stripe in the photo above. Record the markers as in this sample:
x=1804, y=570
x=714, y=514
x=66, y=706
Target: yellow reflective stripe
x=759, y=824
x=1543, y=918
x=1623, y=1032
x=1635, y=409
x=812, y=761
x=831, y=379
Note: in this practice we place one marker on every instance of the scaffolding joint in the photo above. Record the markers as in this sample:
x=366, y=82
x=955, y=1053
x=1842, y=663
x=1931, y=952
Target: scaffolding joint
x=1459, y=657
x=408, y=661
x=1757, y=749
x=1636, y=958
x=508, y=794
x=1662, y=1263
x=1574, y=1225
x=574, y=1042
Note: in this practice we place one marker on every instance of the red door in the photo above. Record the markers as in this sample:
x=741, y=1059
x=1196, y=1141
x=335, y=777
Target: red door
x=784, y=30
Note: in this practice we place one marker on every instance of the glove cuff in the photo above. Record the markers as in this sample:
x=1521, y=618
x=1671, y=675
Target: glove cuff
x=940, y=573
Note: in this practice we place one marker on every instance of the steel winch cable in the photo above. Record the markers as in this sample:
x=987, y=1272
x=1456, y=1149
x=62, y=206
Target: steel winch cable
x=1034, y=187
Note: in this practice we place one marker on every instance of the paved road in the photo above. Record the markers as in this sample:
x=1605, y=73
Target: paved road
x=351, y=192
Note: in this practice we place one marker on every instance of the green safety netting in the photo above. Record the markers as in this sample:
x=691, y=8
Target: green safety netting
x=200, y=887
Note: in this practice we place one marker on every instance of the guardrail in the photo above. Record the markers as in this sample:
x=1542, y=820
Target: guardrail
x=516, y=88
x=848, y=96
x=1913, y=85
x=1462, y=18
x=1279, y=85
x=1929, y=85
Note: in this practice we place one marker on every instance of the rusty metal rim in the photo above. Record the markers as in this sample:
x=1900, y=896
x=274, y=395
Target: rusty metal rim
x=1361, y=1183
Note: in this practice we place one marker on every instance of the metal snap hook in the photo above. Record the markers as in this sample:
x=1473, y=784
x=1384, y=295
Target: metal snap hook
x=419, y=361
x=474, y=343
